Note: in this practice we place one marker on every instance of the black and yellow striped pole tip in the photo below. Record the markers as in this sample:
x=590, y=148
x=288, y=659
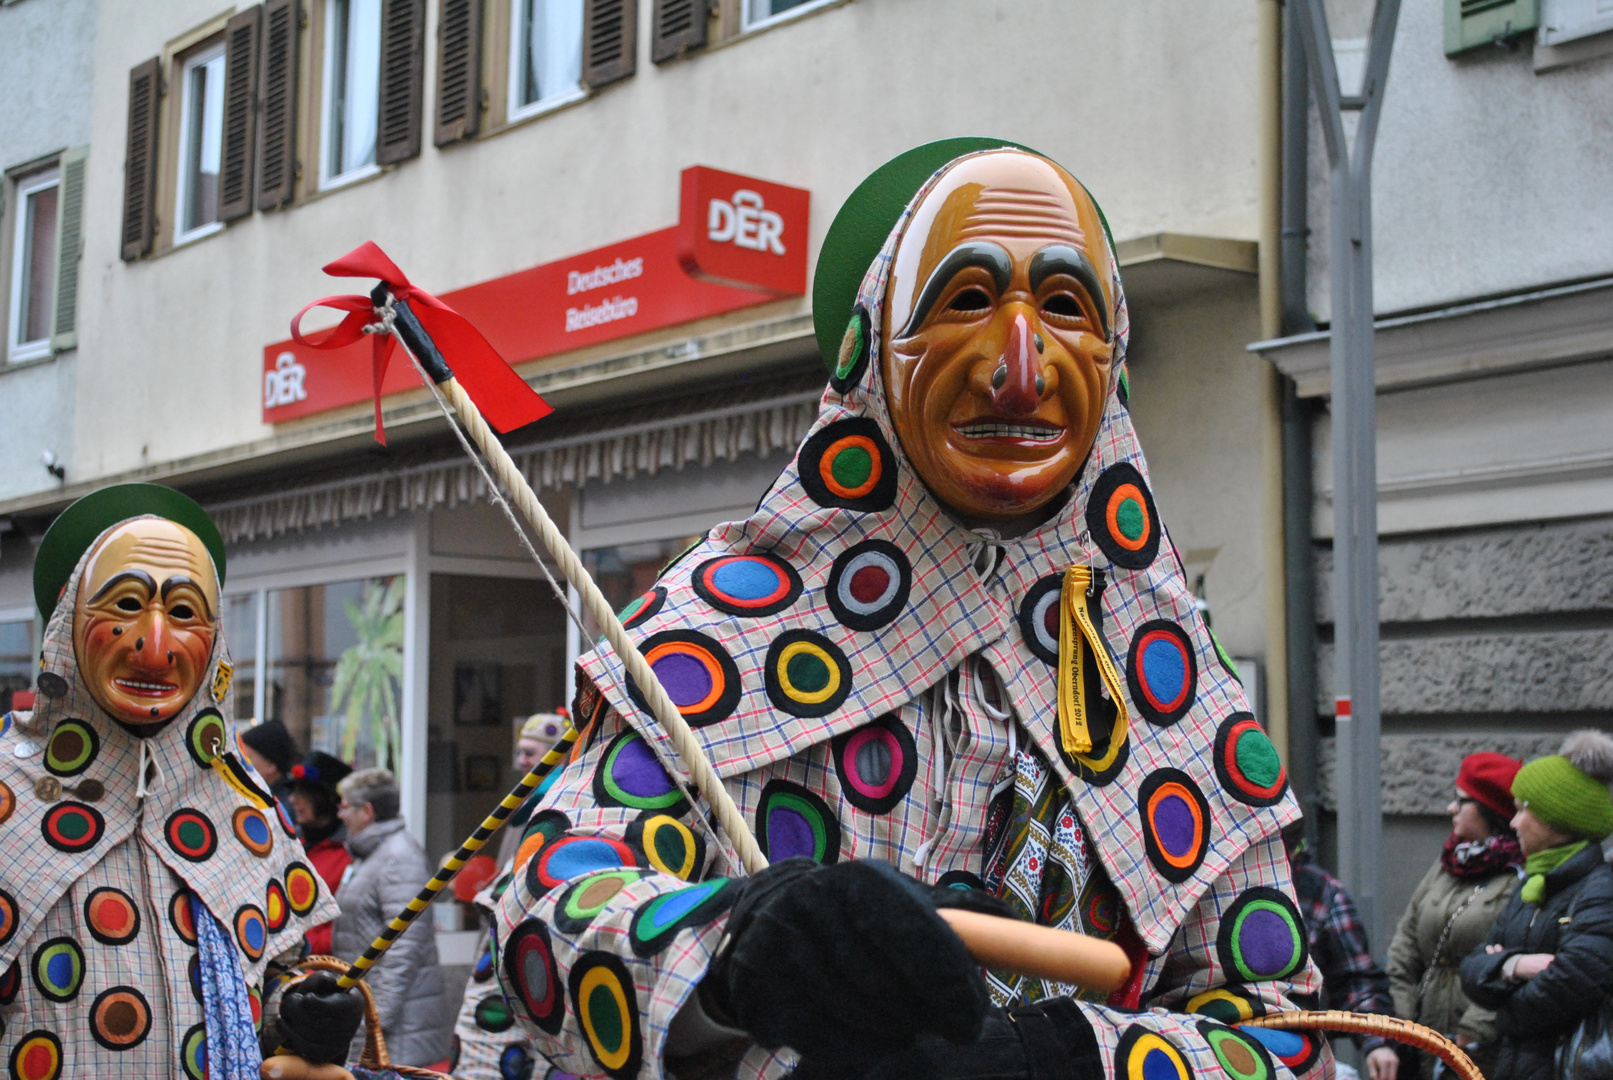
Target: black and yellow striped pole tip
x=455, y=862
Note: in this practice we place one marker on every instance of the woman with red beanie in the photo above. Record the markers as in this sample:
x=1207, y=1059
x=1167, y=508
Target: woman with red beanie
x=1455, y=906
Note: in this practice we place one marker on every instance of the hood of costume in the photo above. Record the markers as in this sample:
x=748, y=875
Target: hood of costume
x=850, y=567
x=213, y=825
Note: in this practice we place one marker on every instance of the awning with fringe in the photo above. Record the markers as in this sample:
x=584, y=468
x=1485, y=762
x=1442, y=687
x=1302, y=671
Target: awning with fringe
x=664, y=436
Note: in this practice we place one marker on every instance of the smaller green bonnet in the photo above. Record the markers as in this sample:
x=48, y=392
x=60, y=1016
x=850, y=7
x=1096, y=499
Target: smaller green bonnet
x=1564, y=797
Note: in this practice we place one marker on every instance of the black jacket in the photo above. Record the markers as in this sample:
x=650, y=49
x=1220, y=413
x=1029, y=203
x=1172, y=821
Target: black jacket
x=1574, y=923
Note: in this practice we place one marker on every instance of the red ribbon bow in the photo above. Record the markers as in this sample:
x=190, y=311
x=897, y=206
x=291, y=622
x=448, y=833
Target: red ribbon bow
x=503, y=397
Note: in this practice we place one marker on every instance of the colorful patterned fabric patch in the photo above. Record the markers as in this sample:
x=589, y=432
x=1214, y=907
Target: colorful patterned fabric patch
x=112, y=916
x=806, y=674
x=1162, y=671
x=606, y=1003
x=532, y=977
x=1247, y=764
x=72, y=747
x=1176, y=823
x=1261, y=936
x=629, y=775
x=747, y=585
x=1148, y=1055
x=668, y=844
x=1122, y=518
x=1241, y=1057
x=876, y=764
x=58, y=969
x=869, y=584
x=791, y=821
x=658, y=921
x=120, y=1018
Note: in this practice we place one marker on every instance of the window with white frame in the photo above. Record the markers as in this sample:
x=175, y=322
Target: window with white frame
x=33, y=266
x=201, y=133
x=759, y=12
x=352, y=90
x=545, y=55
x=1569, y=20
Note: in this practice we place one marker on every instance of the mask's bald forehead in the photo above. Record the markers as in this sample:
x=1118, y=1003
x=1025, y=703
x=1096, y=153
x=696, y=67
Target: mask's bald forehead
x=162, y=548
x=1011, y=197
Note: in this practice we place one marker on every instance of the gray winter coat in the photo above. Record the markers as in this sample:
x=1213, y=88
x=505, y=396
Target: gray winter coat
x=388, y=868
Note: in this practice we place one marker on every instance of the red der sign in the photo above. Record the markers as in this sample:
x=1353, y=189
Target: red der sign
x=737, y=230
x=612, y=292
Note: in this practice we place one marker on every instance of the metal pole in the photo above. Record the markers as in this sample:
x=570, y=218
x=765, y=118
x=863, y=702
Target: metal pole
x=1354, y=407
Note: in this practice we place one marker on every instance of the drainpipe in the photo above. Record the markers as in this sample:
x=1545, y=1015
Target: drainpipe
x=1294, y=225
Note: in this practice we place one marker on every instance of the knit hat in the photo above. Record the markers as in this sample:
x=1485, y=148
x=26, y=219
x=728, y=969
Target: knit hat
x=544, y=727
x=1568, y=790
x=320, y=770
x=273, y=741
x=1487, y=777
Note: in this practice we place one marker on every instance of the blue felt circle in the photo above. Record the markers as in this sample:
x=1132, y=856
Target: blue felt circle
x=1164, y=669
x=747, y=579
x=582, y=857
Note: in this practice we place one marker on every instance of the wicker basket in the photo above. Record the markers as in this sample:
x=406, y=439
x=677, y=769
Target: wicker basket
x=373, y=1059
x=1387, y=1027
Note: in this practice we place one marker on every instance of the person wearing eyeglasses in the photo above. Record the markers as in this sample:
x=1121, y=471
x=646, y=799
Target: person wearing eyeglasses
x=1455, y=906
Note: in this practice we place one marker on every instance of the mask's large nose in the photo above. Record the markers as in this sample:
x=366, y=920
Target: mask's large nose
x=1017, y=384
x=152, y=648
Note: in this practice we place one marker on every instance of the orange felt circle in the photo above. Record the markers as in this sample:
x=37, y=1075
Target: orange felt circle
x=709, y=662
x=1118, y=499
x=826, y=466
x=1164, y=791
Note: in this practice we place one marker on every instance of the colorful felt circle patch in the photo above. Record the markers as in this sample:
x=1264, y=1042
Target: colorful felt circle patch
x=252, y=829
x=588, y=896
x=642, y=608
x=697, y=673
x=482, y=970
x=1039, y=618
x=852, y=360
x=1222, y=658
x=120, y=1018
x=193, y=1052
x=8, y=799
x=37, y=1056
x=205, y=737
x=630, y=776
x=112, y=916
x=1176, y=823
x=1246, y=762
x=532, y=978
x=302, y=888
x=179, y=917
x=1298, y=1050
x=791, y=821
x=191, y=835
x=1122, y=518
x=73, y=745
x=1228, y=1004
x=544, y=827
x=58, y=969
x=876, y=764
x=8, y=917
x=493, y=1014
x=1148, y=1055
x=1261, y=937
x=806, y=674
x=869, y=584
x=1241, y=1057
x=657, y=921
x=1162, y=671
x=606, y=1004
x=193, y=976
x=72, y=827
x=747, y=584
x=286, y=823
x=251, y=930
x=847, y=464
x=515, y=1063
x=573, y=856
x=275, y=909
x=668, y=844
x=10, y=983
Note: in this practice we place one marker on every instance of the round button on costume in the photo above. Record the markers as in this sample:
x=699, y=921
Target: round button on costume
x=872, y=679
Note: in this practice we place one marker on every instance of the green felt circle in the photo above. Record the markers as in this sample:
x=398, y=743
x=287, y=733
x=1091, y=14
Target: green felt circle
x=77, y=527
x=1257, y=758
x=1130, y=518
x=73, y=826
x=852, y=467
x=807, y=673
x=851, y=348
x=606, y=1017
x=192, y=835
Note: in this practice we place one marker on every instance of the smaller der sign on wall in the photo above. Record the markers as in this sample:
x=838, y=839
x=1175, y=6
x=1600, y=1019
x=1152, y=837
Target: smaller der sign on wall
x=739, y=242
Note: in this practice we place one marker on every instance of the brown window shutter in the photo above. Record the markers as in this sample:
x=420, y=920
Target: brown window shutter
x=459, y=70
x=680, y=26
x=69, y=248
x=403, y=53
x=240, y=114
x=277, y=90
x=609, y=40
x=140, y=160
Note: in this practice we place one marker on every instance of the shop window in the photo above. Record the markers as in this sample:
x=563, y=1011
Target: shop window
x=201, y=130
x=545, y=55
x=33, y=265
x=16, y=659
x=241, y=633
x=352, y=95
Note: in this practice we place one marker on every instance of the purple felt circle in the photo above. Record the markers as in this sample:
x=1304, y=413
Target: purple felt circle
x=687, y=680
x=1174, y=826
x=635, y=770
x=1265, y=941
x=789, y=833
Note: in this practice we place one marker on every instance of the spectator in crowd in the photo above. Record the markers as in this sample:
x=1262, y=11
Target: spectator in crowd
x=535, y=735
x=273, y=752
x=313, y=804
x=1455, y=906
x=1351, y=979
x=1547, y=963
x=389, y=868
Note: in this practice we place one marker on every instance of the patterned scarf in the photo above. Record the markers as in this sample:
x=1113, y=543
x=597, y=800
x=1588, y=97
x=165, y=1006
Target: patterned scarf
x=1467, y=859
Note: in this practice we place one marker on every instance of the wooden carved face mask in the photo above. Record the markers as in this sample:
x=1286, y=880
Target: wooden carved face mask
x=998, y=336
x=145, y=620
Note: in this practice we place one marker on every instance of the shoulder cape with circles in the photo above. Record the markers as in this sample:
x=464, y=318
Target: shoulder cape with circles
x=214, y=825
x=850, y=591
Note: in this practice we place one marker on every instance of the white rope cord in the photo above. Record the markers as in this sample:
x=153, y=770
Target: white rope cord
x=665, y=712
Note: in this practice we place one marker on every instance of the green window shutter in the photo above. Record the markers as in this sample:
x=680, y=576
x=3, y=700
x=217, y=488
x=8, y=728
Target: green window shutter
x=1473, y=24
x=69, y=249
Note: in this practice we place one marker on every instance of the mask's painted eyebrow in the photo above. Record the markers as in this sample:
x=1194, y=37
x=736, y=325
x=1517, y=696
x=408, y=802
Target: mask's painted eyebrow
x=127, y=575
x=178, y=580
x=1063, y=259
x=982, y=253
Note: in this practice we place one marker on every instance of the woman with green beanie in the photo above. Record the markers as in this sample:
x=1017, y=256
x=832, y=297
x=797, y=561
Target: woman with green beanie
x=1548, y=961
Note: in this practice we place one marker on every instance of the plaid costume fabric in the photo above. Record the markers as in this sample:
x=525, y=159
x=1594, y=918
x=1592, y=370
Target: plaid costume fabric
x=1351, y=978
x=872, y=680
x=96, y=933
